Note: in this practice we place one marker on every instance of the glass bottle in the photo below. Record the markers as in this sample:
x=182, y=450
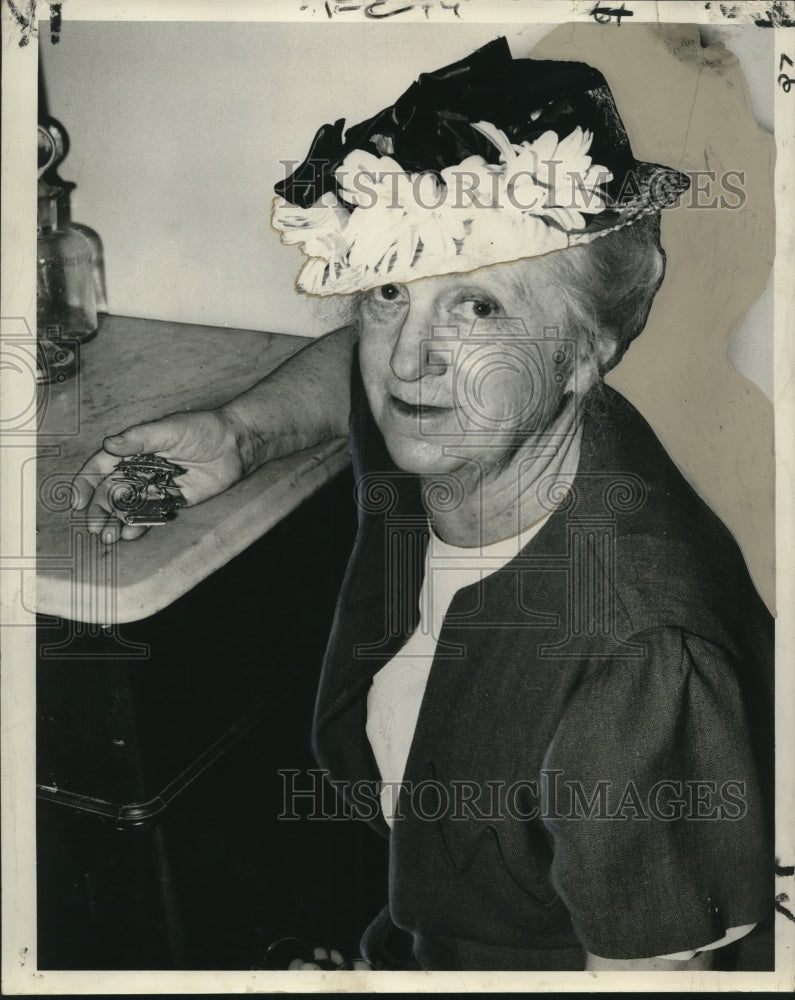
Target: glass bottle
x=65, y=296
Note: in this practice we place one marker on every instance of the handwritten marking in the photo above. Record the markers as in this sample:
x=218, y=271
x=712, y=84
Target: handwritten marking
x=26, y=20
x=55, y=23
x=784, y=870
x=604, y=15
x=784, y=81
x=782, y=909
x=380, y=9
x=369, y=10
x=779, y=15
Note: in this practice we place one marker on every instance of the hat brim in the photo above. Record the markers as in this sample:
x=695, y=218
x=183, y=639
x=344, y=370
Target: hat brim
x=647, y=190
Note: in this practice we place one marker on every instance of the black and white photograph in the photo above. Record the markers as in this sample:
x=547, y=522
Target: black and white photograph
x=397, y=522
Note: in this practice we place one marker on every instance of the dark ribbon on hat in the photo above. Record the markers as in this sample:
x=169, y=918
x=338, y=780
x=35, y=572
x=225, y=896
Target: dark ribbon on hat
x=430, y=126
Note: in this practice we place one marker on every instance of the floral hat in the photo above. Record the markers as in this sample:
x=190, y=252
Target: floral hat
x=490, y=159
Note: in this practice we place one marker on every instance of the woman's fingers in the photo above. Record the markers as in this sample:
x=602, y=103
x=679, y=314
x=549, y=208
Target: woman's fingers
x=140, y=439
x=111, y=533
x=91, y=476
x=109, y=500
x=100, y=522
x=200, y=444
x=327, y=958
x=113, y=530
x=129, y=532
x=144, y=438
x=104, y=514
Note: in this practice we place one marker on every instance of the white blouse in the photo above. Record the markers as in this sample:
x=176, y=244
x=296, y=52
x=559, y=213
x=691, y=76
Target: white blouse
x=394, y=699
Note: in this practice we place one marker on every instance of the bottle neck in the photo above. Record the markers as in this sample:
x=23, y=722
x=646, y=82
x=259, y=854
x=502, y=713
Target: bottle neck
x=47, y=216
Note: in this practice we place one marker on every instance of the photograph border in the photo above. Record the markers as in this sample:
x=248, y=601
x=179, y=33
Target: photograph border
x=21, y=38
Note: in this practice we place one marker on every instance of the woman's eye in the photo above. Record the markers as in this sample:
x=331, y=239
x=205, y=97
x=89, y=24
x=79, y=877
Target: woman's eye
x=479, y=308
x=387, y=295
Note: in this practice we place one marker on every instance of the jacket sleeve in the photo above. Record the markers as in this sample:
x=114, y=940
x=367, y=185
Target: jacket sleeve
x=654, y=805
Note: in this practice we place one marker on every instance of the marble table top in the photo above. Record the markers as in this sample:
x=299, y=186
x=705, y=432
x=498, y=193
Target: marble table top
x=137, y=370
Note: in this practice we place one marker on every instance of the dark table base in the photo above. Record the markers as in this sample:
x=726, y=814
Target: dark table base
x=159, y=750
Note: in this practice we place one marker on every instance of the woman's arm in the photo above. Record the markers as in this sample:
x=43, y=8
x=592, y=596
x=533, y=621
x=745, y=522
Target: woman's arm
x=660, y=880
x=303, y=402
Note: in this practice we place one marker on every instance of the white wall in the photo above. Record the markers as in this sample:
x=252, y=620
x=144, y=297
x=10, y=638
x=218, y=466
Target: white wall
x=176, y=131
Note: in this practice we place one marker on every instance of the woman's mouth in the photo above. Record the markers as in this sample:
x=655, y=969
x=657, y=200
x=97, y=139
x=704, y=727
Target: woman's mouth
x=421, y=411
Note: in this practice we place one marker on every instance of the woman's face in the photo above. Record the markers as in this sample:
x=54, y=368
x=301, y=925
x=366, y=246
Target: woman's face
x=463, y=367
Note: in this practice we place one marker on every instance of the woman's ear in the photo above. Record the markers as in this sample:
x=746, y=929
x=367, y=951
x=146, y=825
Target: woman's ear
x=604, y=348
x=594, y=352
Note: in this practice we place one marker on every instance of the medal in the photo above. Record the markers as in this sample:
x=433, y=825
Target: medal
x=143, y=490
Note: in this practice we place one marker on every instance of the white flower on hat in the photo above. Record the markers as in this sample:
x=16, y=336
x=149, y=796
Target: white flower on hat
x=321, y=228
x=399, y=226
x=555, y=179
x=397, y=215
x=475, y=182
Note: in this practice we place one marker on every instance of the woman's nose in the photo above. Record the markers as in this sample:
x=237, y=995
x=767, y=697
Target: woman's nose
x=414, y=354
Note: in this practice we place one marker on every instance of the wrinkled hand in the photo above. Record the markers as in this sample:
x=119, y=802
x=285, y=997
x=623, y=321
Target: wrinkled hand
x=203, y=443
x=325, y=958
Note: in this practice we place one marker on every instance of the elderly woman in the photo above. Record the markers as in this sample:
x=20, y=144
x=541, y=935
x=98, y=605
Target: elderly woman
x=549, y=677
